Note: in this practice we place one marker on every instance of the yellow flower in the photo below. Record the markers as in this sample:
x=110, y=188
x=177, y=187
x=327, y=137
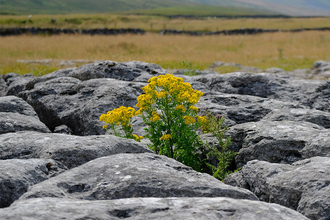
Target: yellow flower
x=202, y=119
x=121, y=115
x=194, y=108
x=162, y=94
x=105, y=127
x=137, y=138
x=155, y=116
x=189, y=120
x=180, y=107
x=166, y=137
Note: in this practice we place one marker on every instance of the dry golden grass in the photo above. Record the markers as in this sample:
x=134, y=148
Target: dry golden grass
x=285, y=50
x=156, y=23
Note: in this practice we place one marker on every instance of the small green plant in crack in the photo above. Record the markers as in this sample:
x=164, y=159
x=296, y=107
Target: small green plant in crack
x=224, y=156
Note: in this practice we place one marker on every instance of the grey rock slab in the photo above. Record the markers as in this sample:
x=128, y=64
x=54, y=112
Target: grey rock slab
x=70, y=150
x=13, y=122
x=238, y=109
x=128, y=71
x=49, y=76
x=148, y=208
x=14, y=104
x=134, y=175
x=79, y=104
x=320, y=70
x=303, y=186
x=320, y=99
x=264, y=85
x=17, y=83
x=320, y=118
x=16, y=176
x=278, y=141
x=3, y=87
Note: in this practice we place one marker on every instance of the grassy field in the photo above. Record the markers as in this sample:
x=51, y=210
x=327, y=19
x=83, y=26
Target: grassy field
x=286, y=50
x=157, y=23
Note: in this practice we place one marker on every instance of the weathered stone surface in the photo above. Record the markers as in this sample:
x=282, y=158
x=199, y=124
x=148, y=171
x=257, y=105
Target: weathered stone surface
x=320, y=99
x=148, y=208
x=278, y=141
x=299, y=114
x=62, y=129
x=264, y=85
x=79, y=104
x=129, y=71
x=16, y=176
x=134, y=175
x=13, y=122
x=14, y=104
x=3, y=87
x=271, y=116
x=238, y=109
x=17, y=83
x=70, y=150
x=320, y=70
x=303, y=186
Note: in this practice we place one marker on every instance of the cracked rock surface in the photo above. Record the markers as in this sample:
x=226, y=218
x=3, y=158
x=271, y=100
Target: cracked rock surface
x=58, y=162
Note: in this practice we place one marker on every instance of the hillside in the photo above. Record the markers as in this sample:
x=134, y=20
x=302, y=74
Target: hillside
x=190, y=7
x=170, y=7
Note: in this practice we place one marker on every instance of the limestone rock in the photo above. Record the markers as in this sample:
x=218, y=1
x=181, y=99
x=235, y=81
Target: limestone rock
x=17, y=115
x=134, y=175
x=14, y=104
x=129, y=71
x=148, y=208
x=3, y=87
x=17, y=83
x=79, y=104
x=279, y=141
x=16, y=176
x=13, y=122
x=264, y=85
x=320, y=99
x=70, y=150
x=303, y=186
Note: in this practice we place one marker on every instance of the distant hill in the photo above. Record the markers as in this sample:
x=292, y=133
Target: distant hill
x=167, y=7
x=288, y=7
x=201, y=7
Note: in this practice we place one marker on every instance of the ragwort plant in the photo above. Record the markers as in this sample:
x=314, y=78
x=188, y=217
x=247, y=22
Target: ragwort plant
x=168, y=111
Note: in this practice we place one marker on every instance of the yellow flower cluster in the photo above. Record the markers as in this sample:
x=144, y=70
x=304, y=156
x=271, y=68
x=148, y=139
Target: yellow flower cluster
x=202, y=119
x=180, y=107
x=166, y=137
x=137, y=138
x=162, y=94
x=170, y=87
x=194, y=108
x=144, y=101
x=189, y=120
x=121, y=115
x=155, y=116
